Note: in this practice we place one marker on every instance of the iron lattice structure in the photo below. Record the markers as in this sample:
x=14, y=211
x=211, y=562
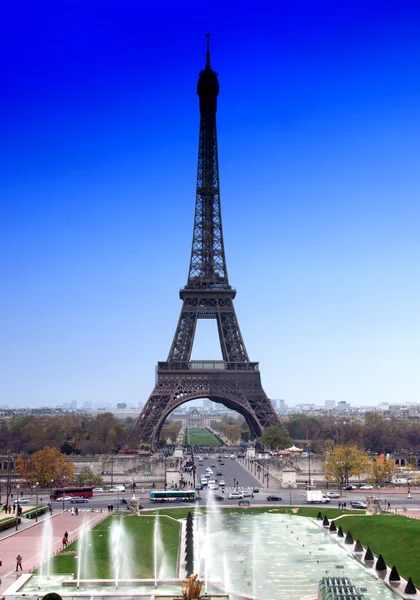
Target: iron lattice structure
x=233, y=381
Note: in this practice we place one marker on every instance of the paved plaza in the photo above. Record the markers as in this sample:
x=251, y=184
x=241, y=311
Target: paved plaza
x=27, y=541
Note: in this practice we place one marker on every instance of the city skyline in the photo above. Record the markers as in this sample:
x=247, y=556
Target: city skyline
x=318, y=131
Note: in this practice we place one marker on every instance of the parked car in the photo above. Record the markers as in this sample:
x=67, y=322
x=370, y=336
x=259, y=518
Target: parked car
x=333, y=494
x=274, y=498
x=235, y=495
x=98, y=490
x=78, y=500
x=366, y=487
x=349, y=487
x=358, y=504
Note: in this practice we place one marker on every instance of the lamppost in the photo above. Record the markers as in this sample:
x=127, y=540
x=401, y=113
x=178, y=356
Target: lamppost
x=290, y=494
x=36, y=501
x=64, y=489
x=164, y=464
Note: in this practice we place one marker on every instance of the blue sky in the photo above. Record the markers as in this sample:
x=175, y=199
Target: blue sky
x=319, y=143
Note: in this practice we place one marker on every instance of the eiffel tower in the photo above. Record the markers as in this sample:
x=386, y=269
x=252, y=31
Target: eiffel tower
x=234, y=381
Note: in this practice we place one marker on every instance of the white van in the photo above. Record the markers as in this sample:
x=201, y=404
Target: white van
x=118, y=488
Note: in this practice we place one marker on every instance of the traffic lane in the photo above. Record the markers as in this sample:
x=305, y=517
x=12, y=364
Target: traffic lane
x=233, y=473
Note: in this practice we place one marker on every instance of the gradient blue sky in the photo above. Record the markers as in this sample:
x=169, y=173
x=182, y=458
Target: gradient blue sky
x=319, y=146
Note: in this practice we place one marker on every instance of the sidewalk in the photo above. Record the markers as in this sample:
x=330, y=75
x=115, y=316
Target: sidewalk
x=27, y=541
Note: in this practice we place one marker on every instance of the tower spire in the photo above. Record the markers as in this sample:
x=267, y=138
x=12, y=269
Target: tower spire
x=208, y=50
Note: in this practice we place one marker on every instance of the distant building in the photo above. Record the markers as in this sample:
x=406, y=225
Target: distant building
x=121, y=405
x=279, y=405
x=343, y=405
x=330, y=404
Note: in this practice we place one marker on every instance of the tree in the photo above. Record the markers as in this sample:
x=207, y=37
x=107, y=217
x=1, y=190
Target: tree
x=343, y=461
x=46, y=466
x=380, y=470
x=88, y=477
x=275, y=437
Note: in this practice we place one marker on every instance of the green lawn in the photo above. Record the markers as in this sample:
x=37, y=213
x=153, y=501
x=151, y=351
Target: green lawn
x=140, y=531
x=200, y=436
x=397, y=538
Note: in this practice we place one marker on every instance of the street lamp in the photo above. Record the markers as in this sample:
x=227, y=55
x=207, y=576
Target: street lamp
x=64, y=489
x=290, y=494
x=36, y=501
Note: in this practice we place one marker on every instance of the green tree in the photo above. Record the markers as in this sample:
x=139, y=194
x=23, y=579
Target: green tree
x=344, y=461
x=88, y=477
x=275, y=437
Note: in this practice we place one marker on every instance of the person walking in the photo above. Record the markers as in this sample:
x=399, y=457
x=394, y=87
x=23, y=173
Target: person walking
x=66, y=535
x=18, y=563
x=64, y=542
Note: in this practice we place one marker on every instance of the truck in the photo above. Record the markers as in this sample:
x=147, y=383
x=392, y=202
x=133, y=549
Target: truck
x=313, y=496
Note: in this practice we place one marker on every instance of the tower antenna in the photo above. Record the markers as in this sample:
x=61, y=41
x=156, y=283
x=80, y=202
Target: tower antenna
x=208, y=50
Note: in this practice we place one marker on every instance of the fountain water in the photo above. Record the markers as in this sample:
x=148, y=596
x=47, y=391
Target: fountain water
x=162, y=568
x=46, y=551
x=120, y=551
x=197, y=545
x=85, y=565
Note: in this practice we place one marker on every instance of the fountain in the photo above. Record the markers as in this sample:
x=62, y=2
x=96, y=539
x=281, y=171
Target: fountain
x=120, y=547
x=84, y=568
x=269, y=555
x=46, y=550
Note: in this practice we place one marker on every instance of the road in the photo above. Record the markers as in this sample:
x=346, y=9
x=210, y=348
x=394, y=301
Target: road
x=233, y=471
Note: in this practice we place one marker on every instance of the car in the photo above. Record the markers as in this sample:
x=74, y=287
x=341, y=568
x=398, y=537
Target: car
x=209, y=474
x=358, y=504
x=219, y=473
x=349, y=487
x=255, y=490
x=218, y=497
x=244, y=503
x=333, y=494
x=247, y=494
x=366, y=487
x=235, y=495
x=98, y=490
x=221, y=462
x=213, y=466
x=232, y=456
x=199, y=486
x=64, y=498
x=222, y=483
x=22, y=501
x=213, y=486
x=274, y=498
x=78, y=500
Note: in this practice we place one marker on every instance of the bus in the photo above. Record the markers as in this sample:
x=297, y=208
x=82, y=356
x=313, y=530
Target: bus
x=82, y=492
x=173, y=496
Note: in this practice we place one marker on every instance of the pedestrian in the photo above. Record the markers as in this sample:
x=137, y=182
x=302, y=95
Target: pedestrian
x=76, y=510
x=10, y=510
x=339, y=505
x=19, y=562
x=389, y=505
x=345, y=505
x=64, y=541
x=66, y=535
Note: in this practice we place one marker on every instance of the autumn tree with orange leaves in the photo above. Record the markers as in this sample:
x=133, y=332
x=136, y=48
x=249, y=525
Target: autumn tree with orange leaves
x=47, y=467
